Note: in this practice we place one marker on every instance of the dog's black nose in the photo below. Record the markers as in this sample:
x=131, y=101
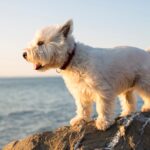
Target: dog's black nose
x=24, y=55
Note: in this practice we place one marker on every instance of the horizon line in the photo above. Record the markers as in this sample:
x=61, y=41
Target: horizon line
x=10, y=77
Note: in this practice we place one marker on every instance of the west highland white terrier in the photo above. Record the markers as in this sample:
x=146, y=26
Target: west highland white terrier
x=93, y=74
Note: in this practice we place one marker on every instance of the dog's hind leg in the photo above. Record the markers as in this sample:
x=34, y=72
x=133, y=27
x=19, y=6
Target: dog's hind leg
x=143, y=89
x=128, y=103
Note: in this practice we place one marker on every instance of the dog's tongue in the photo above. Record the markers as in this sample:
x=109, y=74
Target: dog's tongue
x=37, y=66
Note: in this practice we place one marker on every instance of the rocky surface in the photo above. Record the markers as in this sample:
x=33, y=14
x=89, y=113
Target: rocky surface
x=129, y=133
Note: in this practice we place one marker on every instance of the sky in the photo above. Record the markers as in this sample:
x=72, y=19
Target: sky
x=99, y=23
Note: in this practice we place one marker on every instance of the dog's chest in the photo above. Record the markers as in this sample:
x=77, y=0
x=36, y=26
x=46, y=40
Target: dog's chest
x=79, y=84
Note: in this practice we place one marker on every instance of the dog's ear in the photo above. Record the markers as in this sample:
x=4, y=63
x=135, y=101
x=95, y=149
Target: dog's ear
x=67, y=28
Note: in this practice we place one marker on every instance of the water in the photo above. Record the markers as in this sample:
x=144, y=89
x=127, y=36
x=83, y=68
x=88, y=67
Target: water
x=31, y=105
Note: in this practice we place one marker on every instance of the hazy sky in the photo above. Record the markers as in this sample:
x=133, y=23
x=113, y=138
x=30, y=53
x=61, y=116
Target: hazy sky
x=101, y=23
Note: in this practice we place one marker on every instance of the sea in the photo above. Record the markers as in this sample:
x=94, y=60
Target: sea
x=34, y=105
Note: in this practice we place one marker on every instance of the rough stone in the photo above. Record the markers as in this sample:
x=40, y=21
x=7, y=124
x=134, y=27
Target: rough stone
x=128, y=133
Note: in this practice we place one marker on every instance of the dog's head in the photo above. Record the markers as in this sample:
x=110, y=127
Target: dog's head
x=50, y=46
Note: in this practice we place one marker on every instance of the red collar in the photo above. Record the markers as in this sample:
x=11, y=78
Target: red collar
x=70, y=56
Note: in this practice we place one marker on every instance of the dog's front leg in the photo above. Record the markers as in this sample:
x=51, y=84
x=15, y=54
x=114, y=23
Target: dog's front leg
x=105, y=110
x=83, y=111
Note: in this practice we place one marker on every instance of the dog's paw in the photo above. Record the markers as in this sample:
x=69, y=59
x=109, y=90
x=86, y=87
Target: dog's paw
x=78, y=120
x=145, y=109
x=102, y=124
x=124, y=114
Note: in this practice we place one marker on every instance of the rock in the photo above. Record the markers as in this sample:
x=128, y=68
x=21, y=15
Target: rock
x=128, y=133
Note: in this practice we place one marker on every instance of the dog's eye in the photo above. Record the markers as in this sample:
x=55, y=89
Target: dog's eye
x=39, y=43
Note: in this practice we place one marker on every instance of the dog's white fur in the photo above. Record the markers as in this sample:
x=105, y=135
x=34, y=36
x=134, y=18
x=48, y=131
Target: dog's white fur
x=94, y=74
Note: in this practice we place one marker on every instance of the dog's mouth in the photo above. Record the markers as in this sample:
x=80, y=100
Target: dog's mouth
x=38, y=66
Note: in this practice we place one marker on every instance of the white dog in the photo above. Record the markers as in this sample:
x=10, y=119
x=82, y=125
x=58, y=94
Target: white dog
x=93, y=74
